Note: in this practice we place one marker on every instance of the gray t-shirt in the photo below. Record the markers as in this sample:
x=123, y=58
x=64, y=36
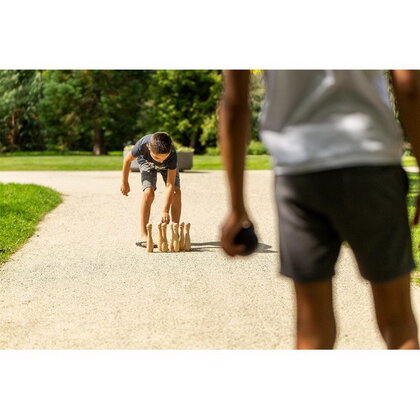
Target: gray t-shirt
x=315, y=120
x=141, y=152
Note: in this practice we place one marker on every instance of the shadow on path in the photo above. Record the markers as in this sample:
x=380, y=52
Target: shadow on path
x=212, y=246
x=189, y=171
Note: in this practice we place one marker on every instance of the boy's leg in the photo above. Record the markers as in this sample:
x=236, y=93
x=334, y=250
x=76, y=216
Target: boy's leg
x=145, y=205
x=394, y=313
x=148, y=182
x=176, y=200
x=316, y=328
x=176, y=205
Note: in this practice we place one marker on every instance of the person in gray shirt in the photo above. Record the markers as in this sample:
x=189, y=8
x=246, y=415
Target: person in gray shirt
x=336, y=152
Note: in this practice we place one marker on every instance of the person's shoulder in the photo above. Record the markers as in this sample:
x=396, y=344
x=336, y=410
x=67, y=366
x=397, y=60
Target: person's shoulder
x=145, y=139
x=138, y=148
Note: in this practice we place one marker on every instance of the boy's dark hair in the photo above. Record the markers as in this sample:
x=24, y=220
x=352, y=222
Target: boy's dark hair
x=160, y=143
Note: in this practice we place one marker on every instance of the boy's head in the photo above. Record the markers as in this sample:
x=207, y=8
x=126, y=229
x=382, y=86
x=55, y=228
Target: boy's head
x=160, y=146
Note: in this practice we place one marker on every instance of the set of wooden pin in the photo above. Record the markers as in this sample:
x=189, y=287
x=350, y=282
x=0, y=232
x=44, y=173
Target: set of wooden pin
x=180, y=237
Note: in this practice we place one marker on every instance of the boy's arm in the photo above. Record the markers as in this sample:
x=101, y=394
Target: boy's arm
x=234, y=131
x=125, y=186
x=170, y=189
x=406, y=85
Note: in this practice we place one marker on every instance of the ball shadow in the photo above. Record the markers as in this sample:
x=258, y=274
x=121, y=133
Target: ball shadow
x=212, y=246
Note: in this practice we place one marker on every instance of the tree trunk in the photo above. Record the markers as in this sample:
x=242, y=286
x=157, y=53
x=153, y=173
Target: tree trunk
x=13, y=134
x=99, y=143
x=193, y=140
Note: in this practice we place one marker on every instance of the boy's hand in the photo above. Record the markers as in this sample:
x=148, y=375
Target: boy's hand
x=165, y=217
x=125, y=188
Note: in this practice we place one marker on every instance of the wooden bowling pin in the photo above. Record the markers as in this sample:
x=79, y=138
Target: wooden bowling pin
x=160, y=238
x=181, y=237
x=176, y=237
x=150, y=244
x=164, y=238
x=171, y=242
x=187, y=237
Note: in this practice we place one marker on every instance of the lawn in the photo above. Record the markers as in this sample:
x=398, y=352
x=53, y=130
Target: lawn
x=21, y=209
x=72, y=161
x=85, y=161
x=203, y=162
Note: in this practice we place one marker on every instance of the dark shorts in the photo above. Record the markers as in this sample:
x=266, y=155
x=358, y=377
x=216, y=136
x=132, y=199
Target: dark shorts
x=149, y=176
x=364, y=206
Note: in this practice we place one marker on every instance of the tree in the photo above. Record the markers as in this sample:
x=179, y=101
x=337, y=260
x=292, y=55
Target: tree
x=256, y=93
x=92, y=108
x=20, y=91
x=184, y=103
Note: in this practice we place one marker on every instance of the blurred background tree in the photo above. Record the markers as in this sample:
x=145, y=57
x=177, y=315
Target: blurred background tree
x=183, y=103
x=103, y=110
x=97, y=109
x=20, y=93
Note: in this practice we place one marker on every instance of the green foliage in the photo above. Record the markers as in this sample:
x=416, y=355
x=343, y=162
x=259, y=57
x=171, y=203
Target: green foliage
x=100, y=110
x=59, y=110
x=183, y=103
x=21, y=208
x=256, y=96
x=81, y=106
x=20, y=92
x=212, y=151
x=414, y=190
x=256, y=148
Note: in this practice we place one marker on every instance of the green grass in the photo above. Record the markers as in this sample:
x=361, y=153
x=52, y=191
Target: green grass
x=21, y=209
x=77, y=161
x=84, y=161
x=206, y=162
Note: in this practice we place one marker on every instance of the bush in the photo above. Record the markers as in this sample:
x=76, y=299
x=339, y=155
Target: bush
x=212, y=151
x=256, y=148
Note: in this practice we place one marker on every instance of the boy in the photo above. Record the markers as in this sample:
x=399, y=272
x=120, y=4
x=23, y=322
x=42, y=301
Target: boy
x=336, y=150
x=155, y=153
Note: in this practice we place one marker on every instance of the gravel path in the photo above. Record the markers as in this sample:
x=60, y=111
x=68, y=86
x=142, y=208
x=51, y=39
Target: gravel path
x=81, y=283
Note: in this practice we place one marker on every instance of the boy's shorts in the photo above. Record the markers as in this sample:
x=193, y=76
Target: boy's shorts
x=364, y=206
x=149, y=176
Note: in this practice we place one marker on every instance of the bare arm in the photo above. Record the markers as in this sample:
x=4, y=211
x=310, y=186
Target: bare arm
x=234, y=132
x=125, y=186
x=406, y=85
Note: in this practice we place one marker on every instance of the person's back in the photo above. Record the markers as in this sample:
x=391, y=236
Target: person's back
x=336, y=152
x=318, y=119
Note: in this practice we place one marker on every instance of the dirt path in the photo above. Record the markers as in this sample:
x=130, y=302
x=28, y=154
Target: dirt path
x=81, y=283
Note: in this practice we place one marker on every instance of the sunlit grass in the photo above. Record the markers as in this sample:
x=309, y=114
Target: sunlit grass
x=85, y=161
x=21, y=209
